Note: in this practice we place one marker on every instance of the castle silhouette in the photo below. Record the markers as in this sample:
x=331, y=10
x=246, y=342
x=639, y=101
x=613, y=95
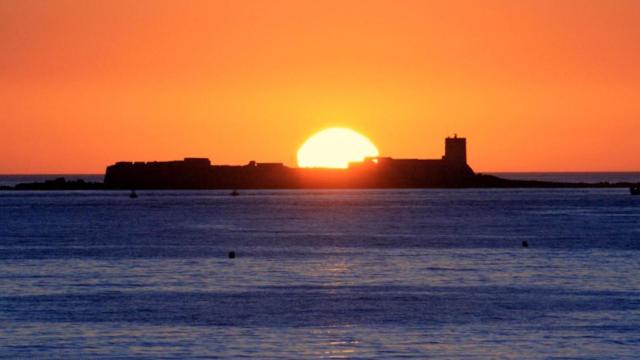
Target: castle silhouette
x=451, y=170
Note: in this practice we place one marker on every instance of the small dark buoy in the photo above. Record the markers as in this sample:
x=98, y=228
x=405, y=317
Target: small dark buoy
x=235, y=193
x=133, y=194
x=232, y=254
x=525, y=243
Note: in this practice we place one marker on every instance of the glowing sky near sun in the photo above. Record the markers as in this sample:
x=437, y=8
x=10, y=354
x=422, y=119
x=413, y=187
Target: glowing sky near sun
x=533, y=84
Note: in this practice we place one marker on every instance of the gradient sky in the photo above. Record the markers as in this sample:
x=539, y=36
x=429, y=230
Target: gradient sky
x=535, y=85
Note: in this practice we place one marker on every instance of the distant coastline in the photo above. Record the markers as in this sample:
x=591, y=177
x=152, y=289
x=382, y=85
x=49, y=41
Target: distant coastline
x=552, y=176
x=571, y=176
x=15, y=179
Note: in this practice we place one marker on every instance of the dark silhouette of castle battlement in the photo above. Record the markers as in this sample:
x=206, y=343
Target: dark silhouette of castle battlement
x=455, y=150
x=379, y=172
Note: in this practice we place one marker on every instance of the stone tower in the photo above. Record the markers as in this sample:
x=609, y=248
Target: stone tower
x=455, y=150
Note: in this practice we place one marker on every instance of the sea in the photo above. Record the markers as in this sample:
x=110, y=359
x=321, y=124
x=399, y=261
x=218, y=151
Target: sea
x=353, y=274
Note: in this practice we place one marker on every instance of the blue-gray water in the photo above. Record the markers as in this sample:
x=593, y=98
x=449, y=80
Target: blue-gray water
x=320, y=274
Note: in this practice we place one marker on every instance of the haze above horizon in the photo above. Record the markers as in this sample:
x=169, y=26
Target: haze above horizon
x=533, y=85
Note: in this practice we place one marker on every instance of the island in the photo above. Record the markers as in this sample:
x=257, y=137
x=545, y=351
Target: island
x=450, y=171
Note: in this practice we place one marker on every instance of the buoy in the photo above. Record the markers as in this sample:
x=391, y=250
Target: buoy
x=525, y=243
x=232, y=254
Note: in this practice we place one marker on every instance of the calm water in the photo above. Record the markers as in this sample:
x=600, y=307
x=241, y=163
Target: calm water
x=320, y=274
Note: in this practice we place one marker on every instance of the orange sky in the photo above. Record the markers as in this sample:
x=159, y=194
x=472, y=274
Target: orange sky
x=535, y=85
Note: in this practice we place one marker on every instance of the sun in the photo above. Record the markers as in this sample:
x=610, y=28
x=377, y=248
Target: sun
x=335, y=148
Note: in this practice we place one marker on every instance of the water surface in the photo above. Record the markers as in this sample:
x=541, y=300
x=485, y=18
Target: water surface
x=320, y=274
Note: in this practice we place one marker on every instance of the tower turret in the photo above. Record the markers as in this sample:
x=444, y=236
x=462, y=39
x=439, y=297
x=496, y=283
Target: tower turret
x=455, y=150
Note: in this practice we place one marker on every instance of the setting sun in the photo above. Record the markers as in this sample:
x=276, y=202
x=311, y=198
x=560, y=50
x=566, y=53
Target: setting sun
x=335, y=148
